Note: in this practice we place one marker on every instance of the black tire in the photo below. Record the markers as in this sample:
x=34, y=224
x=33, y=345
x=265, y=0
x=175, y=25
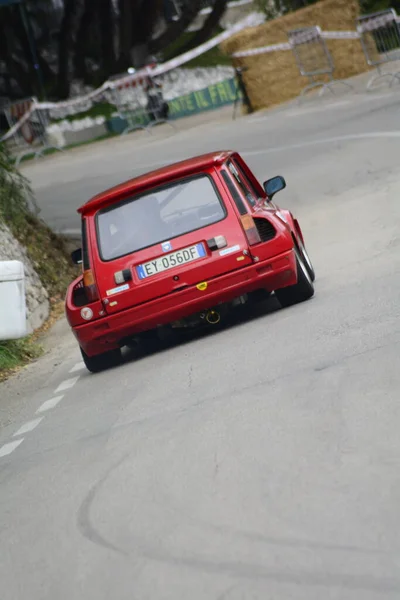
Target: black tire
x=307, y=261
x=300, y=291
x=101, y=362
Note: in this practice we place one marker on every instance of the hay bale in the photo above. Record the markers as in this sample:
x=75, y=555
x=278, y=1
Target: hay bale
x=274, y=77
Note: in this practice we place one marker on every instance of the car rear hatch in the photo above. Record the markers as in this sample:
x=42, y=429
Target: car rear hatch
x=176, y=236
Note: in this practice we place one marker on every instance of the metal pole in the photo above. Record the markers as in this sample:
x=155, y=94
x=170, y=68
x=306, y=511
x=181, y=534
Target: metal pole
x=246, y=99
x=28, y=28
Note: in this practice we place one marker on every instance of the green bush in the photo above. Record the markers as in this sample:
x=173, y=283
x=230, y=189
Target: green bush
x=14, y=190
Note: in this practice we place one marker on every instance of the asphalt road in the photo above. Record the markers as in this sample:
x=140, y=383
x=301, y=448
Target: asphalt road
x=257, y=463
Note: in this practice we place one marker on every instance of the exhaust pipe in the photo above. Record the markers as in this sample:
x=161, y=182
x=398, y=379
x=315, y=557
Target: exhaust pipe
x=213, y=317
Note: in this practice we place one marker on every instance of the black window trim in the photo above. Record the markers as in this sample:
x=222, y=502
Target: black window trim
x=85, y=246
x=242, y=182
x=238, y=200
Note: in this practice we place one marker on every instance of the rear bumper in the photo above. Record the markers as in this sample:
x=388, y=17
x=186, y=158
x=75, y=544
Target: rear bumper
x=106, y=333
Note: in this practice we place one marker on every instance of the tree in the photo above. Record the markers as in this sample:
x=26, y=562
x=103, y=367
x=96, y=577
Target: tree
x=107, y=35
x=65, y=47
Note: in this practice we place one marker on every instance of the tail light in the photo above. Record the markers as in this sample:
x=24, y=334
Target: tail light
x=90, y=286
x=250, y=229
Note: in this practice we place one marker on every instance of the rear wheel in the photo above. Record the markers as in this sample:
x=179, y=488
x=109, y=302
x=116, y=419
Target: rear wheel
x=101, y=362
x=300, y=291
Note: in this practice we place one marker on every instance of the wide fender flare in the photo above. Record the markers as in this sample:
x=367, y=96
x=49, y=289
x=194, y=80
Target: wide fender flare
x=294, y=226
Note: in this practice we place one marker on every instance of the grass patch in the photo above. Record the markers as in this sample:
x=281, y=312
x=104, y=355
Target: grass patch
x=16, y=353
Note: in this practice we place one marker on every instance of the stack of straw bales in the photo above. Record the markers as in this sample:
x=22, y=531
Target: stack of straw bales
x=274, y=77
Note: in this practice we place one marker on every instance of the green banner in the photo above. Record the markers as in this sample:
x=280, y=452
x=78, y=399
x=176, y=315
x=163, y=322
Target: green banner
x=210, y=98
x=214, y=96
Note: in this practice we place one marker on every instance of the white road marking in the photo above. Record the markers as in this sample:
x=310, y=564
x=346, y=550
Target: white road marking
x=8, y=448
x=298, y=112
x=339, y=103
x=342, y=138
x=49, y=404
x=66, y=385
x=314, y=109
x=78, y=367
x=333, y=105
x=30, y=426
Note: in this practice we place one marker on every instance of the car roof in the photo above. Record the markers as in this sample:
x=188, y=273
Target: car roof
x=155, y=178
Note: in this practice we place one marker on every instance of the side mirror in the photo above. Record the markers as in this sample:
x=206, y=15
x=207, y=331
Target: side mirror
x=274, y=185
x=76, y=256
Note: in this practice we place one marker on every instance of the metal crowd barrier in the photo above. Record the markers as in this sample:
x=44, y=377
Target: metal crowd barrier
x=31, y=137
x=140, y=103
x=314, y=59
x=380, y=39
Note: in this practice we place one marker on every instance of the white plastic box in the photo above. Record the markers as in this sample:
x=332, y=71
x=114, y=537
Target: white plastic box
x=12, y=300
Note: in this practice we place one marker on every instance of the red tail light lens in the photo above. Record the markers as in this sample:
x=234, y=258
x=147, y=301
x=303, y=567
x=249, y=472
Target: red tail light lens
x=250, y=229
x=90, y=286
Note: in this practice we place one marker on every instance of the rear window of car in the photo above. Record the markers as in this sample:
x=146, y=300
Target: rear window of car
x=158, y=215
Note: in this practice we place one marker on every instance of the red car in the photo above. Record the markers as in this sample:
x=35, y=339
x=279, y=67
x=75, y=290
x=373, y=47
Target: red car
x=178, y=247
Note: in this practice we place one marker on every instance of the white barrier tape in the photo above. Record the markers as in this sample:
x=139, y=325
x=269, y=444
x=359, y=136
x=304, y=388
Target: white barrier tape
x=236, y=4
x=302, y=36
x=340, y=35
x=327, y=35
x=73, y=101
x=262, y=50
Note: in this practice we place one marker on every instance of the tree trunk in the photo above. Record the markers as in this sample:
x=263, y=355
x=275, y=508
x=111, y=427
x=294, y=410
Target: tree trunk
x=82, y=35
x=177, y=28
x=107, y=33
x=126, y=12
x=64, y=48
x=144, y=20
x=210, y=24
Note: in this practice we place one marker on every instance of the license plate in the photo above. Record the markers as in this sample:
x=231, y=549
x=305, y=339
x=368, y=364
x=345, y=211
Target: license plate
x=169, y=261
